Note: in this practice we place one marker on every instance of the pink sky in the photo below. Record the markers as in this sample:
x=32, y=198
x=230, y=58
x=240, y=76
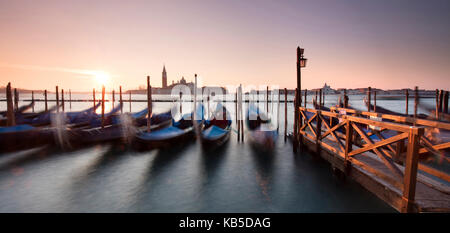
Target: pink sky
x=348, y=44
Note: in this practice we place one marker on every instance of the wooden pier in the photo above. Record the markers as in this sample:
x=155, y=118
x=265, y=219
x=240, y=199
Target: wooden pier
x=385, y=167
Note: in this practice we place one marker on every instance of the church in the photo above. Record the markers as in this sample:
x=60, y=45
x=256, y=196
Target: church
x=167, y=89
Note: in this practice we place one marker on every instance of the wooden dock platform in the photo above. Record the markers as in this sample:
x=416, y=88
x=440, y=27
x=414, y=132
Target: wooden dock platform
x=385, y=167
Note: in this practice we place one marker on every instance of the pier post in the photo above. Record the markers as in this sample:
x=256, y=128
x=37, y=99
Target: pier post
x=446, y=102
x=369, y=90
x=57, y=99
x=103, y=107
x=120, y=99
x=32, y=101
x=406, y=102
x=410, y=177
x=93, y=97
x=11, y=120
x=285, y=114
x=416, y=100
x=70, y=99
x=375, y=101
x=16, y=100
x=45, y=99
x=62, y=100
x=149, y=103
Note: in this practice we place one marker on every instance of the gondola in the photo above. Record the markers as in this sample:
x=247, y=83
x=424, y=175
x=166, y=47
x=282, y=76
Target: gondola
x=24, y=136
x=74, y=118
x=179, y=132
x=117, y=127
x=262, y=133
x=216, y=130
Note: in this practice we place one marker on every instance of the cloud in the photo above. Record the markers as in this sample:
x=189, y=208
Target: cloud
x=54, y=69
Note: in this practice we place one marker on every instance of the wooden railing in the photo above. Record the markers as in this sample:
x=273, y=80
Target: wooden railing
x=348, y=136
x=428, y=144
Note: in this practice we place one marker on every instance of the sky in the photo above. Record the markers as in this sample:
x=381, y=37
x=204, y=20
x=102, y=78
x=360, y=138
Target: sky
x=388, y=44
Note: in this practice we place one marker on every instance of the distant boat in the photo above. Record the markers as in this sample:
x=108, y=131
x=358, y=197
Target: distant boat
x=216, y=130
x=179, y=132
x=262, y=133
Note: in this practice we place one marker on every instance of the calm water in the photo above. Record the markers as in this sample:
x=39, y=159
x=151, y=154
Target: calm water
x=235, y=178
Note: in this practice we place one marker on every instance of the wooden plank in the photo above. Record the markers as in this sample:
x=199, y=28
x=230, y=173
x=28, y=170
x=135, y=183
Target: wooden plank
x=434, y=172
x=436, y=147
x=370, y=146
x=334, y=128
x=386, y=160
x=332, y=133
x=399, y=119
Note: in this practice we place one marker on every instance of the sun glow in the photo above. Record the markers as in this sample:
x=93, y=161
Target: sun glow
x=102, y=77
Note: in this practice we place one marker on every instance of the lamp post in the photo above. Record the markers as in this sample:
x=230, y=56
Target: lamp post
x=301, y=62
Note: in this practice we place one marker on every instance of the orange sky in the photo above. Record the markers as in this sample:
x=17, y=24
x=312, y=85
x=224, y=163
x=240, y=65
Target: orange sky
x=348, y=44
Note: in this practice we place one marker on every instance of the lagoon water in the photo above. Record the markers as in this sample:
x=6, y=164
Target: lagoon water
x=235, y=178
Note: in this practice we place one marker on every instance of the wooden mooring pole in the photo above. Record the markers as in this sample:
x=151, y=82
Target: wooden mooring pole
x=45, y=100
x=120, y=99
x=113, y=98
x=369, y=90
x=93, y=97
x=441, y=97
x=323, y=98
x=62, y=100
x=11, y=120
x=241, y=112
x=285, y=114
x=238, y=125
x=32, y=101
x=416, y=100
x=103, y=107
x=306, y=93
x=345, y=99
x=294, y=141
x=181, y=104
x=446, y=102
x=16, y=100
x=57, y=99
x=406, y=102
x=70, y=99
x=375, y=101
x=320, y=98
x=149, y=103
x=267, y=99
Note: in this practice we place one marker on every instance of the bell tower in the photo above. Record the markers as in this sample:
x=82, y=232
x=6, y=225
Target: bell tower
x=164, y=77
